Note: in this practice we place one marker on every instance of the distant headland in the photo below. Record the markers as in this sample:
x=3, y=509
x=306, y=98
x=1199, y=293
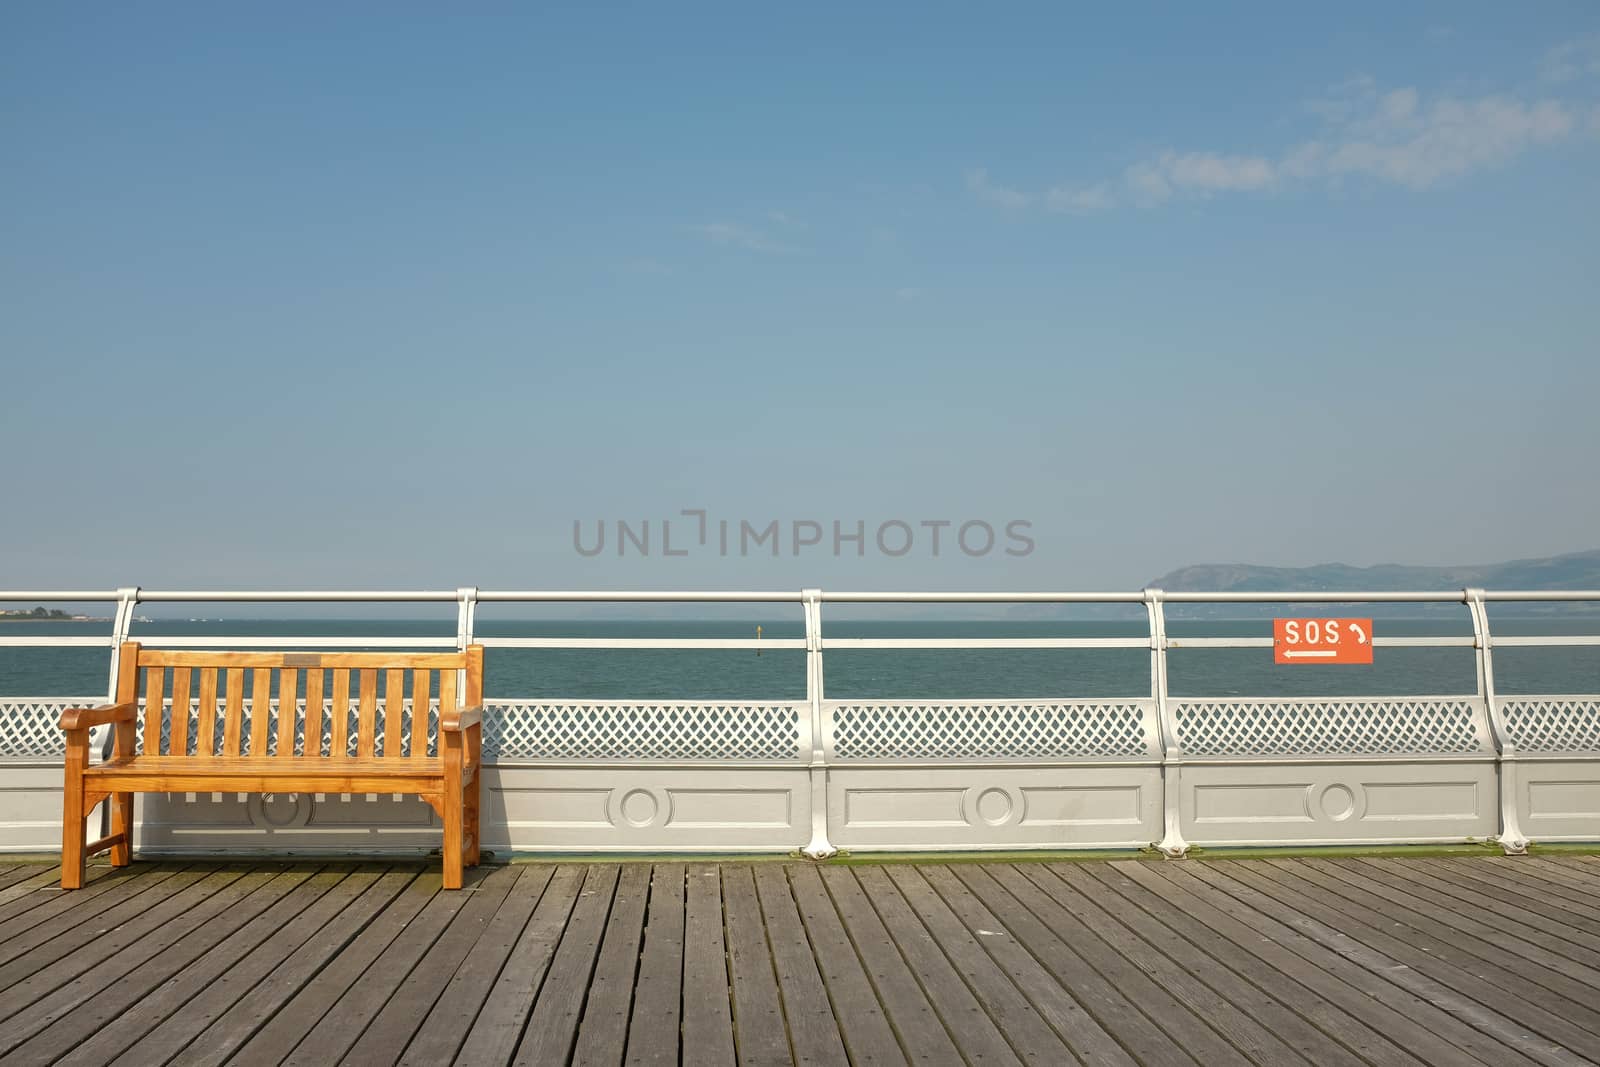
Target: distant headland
x=41, y=614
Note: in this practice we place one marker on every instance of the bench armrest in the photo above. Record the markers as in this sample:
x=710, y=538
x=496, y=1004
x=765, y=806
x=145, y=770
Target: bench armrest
x=461, y=719
x=84, y=718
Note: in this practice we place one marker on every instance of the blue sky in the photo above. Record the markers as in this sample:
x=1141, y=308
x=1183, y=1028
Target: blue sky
x=387, y=297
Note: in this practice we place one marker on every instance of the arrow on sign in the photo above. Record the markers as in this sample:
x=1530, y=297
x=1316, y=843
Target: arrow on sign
x=1326, y=653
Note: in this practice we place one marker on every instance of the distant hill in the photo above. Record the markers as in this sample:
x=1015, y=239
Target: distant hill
x=1576, y=570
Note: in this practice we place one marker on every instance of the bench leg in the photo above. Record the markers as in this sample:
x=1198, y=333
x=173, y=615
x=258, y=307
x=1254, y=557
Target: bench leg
x=72, y=814
x=474, y=741
x=72, y=843
x=454, y=824
x=122, y=823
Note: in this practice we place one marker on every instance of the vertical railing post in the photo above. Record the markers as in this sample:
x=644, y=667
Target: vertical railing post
x=466, y=619
x=820, y=847
x=1512, y=839
x=121, y=624
x=1172, y=845
x=102, y=737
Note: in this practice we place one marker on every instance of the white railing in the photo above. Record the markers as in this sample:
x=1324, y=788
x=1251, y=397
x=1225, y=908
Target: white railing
x=821, y=773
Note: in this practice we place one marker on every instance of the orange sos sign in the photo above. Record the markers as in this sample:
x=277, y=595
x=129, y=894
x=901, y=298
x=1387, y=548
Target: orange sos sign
x=1322, y=640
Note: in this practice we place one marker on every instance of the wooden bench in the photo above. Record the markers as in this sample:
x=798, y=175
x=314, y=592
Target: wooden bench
x=262, y=748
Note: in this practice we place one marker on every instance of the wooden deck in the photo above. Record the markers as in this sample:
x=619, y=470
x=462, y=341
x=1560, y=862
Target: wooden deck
x=1272, y=961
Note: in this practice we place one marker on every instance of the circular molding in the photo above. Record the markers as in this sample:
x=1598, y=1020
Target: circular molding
x=279, y=811
x=1338, y=802
x=994, y=806
x=638, y=808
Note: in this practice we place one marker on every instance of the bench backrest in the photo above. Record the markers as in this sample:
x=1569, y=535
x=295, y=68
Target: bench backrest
x=287, y=705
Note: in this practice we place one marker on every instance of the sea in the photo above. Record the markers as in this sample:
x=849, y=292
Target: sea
x=917, y=674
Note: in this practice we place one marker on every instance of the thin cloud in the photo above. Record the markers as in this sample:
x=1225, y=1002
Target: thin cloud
x=1572, y=60
x=998, y=195
x=1081, y=200
x=1398, y=137
x=735, y=235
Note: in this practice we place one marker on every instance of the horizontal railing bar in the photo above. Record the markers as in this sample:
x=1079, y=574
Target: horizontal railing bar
x=985, y=642
x=785, y=596
x=1266, y=642
x=641, y=642
x=1318, y=597
x=148, y=596
x=186, y=641
x=613, y=702
x=1541, y=594
x=59, y=642
x=1565, y=639
x=982, y=598
x=637, y=595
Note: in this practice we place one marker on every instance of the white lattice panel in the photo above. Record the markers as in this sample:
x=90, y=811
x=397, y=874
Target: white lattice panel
x=1553, y=724
x=247, y=742
x=1378, y=726
x=994, y=730
x=637, y=730
x=30, y=727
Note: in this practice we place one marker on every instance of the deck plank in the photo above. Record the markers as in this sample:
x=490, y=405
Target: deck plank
x=969, y=1025
x=494, y=1035
x=323, y=947
x=226, y=967
x=1282, y=948
x=445, y=1030
x=1037, y=921
x=408, y=1007
x=760, y=1034
x=1018, y=1018
x=349, y=1016
x=1295, y=1011
x=1447, y=1013
x=59, y=913
x=1459, y=937
x=306, y=1009
x=653, y=1027
x=922, y=1031
x=863, y=1026
x=553, y=1026
x=1239, y=1029
x=252, y=978
x=813, y=1031
x=1450, y=896
x=1388, y=961
x=1436, y=968
x=603, y=1030
x=99, y=994
x=706, y=1006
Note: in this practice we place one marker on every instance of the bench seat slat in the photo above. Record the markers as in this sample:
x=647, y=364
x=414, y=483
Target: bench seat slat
x=245, y=774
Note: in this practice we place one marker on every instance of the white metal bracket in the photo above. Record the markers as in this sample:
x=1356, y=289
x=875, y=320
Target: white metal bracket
x=820, y=848
x=1511, y=839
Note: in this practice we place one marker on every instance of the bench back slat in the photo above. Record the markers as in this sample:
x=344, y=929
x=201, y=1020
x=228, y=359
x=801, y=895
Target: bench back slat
x=233, y=716
x=248, y=704
x=287, y=684
x=180, y=723
x=421, y=684
x=154, y=682
x=205, y=730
